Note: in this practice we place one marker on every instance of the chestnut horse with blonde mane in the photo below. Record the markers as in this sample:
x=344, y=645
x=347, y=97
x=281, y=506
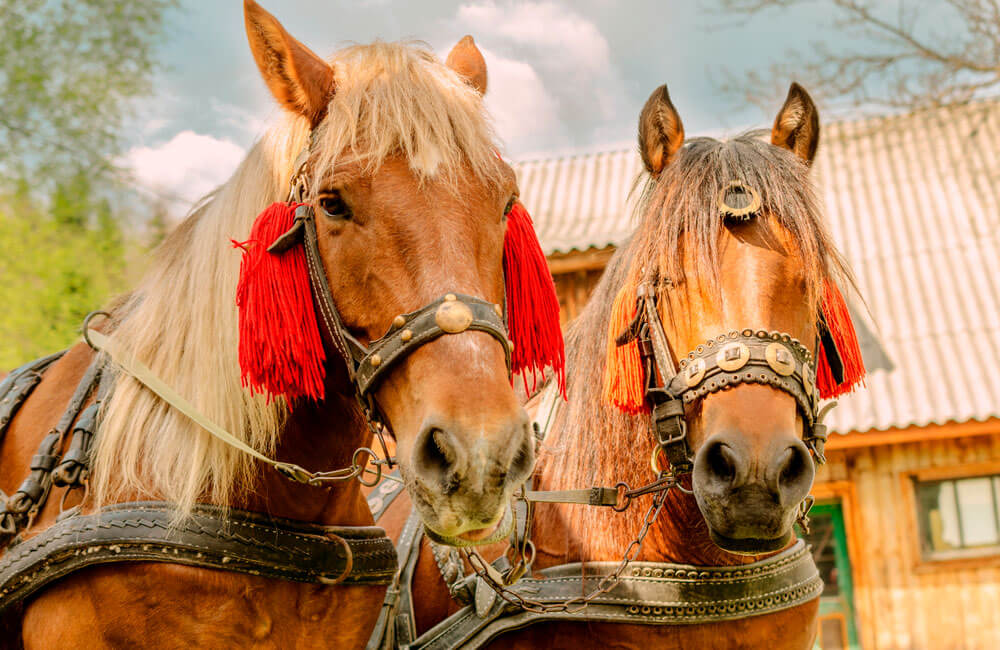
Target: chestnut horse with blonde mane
x=752, y=470
x=411, y=201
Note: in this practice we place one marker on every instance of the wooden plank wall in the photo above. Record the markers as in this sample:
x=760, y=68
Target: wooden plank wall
x=574, y=289
x=902, y=601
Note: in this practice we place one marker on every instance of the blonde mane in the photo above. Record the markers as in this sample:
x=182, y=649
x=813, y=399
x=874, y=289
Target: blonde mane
x=181, y=321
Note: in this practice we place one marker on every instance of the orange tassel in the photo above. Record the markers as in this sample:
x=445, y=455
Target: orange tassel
x=624, y=376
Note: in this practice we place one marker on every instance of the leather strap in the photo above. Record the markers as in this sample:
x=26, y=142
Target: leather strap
x=231, y=540
x=650, y=593
x=395, y=625
x=19, y=508
x=18, y=384
x=420, y=327
x=141, y=373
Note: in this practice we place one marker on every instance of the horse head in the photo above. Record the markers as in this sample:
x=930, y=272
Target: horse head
x=733, y=249
x=411, y=204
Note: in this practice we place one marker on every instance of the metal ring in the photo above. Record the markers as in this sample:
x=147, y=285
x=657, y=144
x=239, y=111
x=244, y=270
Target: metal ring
x=349, y=554
x=622, y=487
x=654, y=460
x=86, y=327
x=361, y=473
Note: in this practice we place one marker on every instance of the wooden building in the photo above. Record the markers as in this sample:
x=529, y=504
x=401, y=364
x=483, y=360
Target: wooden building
x=907, y=526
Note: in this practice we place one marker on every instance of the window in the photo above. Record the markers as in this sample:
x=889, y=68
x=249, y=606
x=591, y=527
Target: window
x=959, y=517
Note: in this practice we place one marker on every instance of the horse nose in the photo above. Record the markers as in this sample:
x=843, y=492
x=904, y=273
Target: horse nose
x=782, y=469
x=790, y=473
x=450, y=457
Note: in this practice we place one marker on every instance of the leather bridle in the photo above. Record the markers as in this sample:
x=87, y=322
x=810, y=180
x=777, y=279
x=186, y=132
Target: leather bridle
x=737, y=357
x=452, y=313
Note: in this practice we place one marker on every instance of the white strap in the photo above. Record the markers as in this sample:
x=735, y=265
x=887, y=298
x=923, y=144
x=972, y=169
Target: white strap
x=146, y=377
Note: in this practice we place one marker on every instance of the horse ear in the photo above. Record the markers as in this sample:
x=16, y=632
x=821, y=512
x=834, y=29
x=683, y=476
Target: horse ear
x=661, y=132
x=797, y=126
x=466, y=59
x=301, y=81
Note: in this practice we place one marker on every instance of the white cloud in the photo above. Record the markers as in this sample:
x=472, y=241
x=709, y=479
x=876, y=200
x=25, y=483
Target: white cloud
x=543, y=25
x=544, y=55
x=523, y=110
x=184, y=168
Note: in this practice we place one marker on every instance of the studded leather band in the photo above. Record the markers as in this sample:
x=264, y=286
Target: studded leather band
x=231, y=540
x=650, y=593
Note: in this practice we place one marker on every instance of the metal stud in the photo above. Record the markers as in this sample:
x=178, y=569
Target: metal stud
x=733, y=356
x=498, y=310
x=780, y=359
x=453, y=316
x=398, y=321
x=405, y=335
x=450, y=297
x=807, y=380
x=376, y=361
x=695, y=373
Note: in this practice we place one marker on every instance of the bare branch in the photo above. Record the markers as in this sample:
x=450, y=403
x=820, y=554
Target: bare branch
x=905, y=65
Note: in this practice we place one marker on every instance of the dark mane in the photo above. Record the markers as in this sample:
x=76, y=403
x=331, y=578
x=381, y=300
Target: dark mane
x=679, y=206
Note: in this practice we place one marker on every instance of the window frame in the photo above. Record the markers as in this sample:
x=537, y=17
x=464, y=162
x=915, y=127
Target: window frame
x=929, y=561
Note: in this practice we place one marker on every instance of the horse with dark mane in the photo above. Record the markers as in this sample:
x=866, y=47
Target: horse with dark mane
x=732, y=250
x=398, y=219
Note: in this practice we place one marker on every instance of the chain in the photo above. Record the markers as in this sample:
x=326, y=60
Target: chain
x=573, y=605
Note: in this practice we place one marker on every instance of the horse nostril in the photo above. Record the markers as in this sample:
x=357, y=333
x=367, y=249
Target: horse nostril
x=721, y=462
x=795, y=472
x=524, y=458
x=794, y=465
x=435, y=457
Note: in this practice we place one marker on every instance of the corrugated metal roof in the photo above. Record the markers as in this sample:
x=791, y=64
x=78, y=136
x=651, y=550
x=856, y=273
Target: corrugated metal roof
x=913, y=201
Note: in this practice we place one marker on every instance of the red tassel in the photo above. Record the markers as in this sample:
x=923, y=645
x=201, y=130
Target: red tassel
x=280, y=349
x=532, y=305
x=838, y=320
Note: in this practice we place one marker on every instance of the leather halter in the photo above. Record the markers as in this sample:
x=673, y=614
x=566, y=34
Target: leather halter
x=738, y=357
x=452, y=313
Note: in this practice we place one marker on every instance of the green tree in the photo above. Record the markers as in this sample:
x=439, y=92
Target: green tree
x=69, y=72
x=56, y=265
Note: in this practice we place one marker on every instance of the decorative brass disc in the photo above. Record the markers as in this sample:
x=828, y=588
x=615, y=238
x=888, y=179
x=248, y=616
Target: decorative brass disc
x=738, y=201
x=695, y=372
x=453, y=316
x=733, y=356
x=807, y=380
x=780, y=359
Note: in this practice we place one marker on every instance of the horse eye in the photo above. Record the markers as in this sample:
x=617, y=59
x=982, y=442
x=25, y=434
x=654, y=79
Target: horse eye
x=334, y=207
x=509, y=206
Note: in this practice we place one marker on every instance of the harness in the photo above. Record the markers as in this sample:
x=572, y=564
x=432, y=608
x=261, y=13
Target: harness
x=212, y=537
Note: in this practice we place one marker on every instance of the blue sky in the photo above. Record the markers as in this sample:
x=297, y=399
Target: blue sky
x=564, y=76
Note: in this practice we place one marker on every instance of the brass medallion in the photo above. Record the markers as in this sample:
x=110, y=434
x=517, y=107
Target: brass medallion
x=733, y=356
x=695, y=372
x=453, y=316
x=780, y=359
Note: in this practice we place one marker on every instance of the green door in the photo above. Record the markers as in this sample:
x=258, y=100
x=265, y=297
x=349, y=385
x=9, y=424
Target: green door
x=837, y=628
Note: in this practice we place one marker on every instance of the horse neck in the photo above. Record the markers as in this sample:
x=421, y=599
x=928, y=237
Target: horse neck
x=319, y=437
